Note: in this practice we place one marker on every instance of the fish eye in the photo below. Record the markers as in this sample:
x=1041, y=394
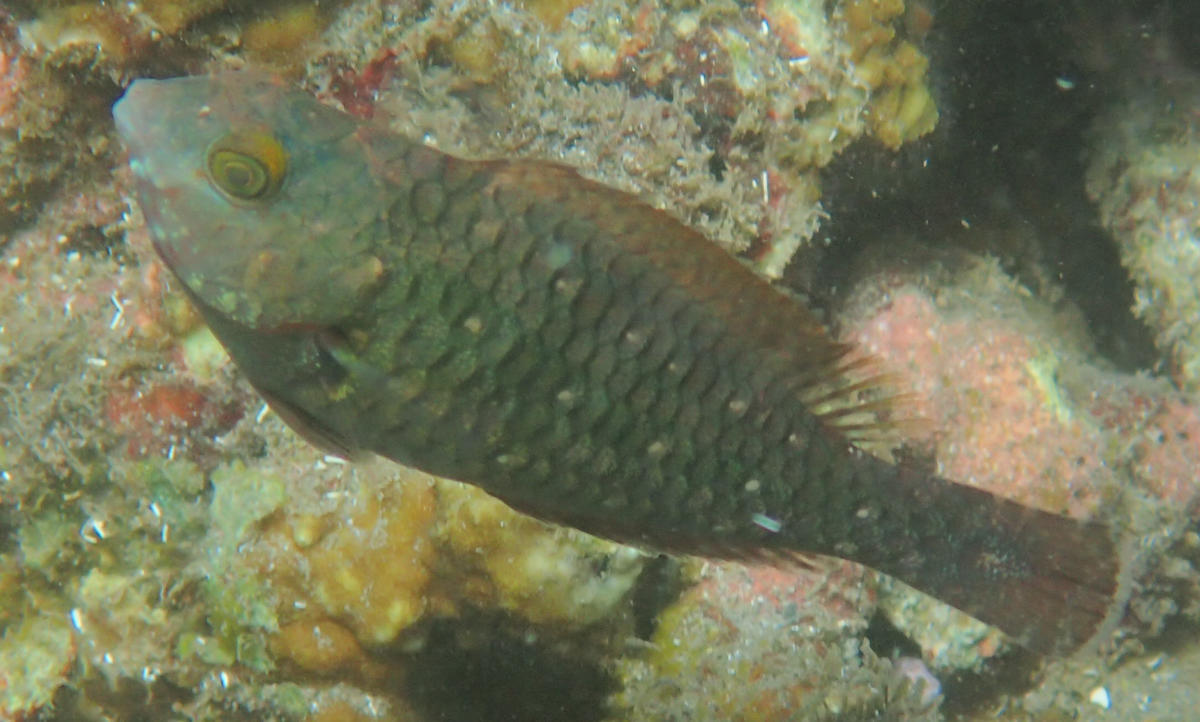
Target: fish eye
x=247, y=166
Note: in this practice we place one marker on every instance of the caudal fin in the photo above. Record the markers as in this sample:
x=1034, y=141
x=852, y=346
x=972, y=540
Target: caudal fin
x=1048, y=581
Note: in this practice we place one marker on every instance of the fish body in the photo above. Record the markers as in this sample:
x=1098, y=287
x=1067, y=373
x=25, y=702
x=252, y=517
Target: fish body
x=569, y=349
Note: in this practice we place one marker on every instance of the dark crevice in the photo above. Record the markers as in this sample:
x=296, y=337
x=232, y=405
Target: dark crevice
x=1003, y=174
x=509, y=679
x=888, y=641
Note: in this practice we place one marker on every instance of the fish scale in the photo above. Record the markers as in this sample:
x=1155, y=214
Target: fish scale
x=613, y=294
x=569, y=349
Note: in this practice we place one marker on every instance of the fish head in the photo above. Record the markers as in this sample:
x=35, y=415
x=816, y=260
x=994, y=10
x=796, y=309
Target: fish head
x=261, y=200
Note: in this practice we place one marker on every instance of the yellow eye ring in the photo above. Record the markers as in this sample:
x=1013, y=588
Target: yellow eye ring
x=247, y=166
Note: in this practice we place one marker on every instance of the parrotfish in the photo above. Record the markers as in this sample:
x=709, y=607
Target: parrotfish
x=584, y=357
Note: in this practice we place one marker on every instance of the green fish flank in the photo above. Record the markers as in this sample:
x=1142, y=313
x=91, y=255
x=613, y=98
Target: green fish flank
x=570, y=350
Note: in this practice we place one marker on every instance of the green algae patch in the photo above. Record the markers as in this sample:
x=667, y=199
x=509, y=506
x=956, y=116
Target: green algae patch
x=1043, y=369
x=241, y=613
x=239, y=605
x=34, y=655
x=45, y=537
x=242, y=498
x=175, y=488
x=203, y=354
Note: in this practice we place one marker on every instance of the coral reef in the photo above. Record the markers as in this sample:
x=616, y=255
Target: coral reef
x=717, y=650
x=892, y=66
x=43, y=142
x=117, y=38
x=1143, y=176
x=1017, y=404
x=168, y=550
x=762, y=100
x=62, y=65
x=228, y=552
x=981, y=331
x=155, y=541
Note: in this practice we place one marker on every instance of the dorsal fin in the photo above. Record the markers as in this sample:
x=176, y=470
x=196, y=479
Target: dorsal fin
x=842, y=385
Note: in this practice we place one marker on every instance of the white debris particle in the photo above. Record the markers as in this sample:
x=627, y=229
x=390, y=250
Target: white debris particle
x=119, y=315
x=1100, y=698
x=93, y=531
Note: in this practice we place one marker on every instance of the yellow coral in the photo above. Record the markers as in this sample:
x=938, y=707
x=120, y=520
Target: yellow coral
x=544, y=574
x=372, y=567
x=350, y=577
x=551, y=12
x=173, y=16
x=284, y=36
x=901, y=107
x=363, y=574
x=319, y=645
x=868, y=21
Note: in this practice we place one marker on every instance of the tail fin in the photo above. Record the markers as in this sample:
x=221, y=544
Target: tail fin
x=1048, y=581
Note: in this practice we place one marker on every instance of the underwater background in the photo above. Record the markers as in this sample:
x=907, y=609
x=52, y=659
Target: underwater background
x=999, y=200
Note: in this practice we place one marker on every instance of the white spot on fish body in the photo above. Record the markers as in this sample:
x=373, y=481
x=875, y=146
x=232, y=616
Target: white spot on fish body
x=771, y=524
x=559, y=255
x=567, y=286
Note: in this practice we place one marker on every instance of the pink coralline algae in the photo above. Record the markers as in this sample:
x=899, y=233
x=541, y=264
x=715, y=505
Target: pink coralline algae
x=1017, y=403
x=988, y=388
x=1018, y=408
x=757, y=643
x=13, y=68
